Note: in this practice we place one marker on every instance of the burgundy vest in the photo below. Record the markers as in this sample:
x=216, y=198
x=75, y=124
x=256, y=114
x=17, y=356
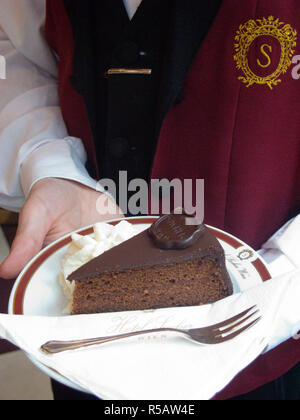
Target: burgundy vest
x=238, y=127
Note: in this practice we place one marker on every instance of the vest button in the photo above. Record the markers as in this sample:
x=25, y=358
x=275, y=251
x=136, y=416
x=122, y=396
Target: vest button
x=128, y=53
x=118, y=147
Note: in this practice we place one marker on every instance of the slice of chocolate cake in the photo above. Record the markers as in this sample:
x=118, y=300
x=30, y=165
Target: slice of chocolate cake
x=171, y=264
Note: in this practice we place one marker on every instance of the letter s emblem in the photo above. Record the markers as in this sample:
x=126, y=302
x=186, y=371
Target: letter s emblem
x=262, y=49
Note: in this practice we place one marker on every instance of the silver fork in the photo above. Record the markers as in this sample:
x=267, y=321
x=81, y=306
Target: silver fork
x=214, y=334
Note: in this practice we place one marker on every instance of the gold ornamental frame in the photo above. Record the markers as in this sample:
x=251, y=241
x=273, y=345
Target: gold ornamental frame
x=248, y=33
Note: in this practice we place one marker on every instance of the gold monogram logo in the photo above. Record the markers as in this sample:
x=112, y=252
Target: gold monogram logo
x=264, y=35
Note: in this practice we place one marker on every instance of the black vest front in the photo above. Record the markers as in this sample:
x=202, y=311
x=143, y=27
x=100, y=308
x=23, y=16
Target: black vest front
x=122, y=107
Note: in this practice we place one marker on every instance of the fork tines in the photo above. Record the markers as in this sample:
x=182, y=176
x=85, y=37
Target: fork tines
x=229, y=329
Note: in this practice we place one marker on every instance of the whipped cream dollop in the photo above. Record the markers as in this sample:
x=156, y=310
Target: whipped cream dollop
x=85, y=248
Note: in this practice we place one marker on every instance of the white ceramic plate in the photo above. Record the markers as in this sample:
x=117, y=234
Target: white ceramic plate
x=37, y=290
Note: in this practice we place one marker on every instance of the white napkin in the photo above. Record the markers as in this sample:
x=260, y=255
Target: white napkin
x=162, y=366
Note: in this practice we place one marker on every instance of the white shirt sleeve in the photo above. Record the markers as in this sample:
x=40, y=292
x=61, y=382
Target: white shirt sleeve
x=34, y=143
x=282, y=250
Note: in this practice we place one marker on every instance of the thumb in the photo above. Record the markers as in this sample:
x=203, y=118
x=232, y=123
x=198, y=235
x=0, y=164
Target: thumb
x=27, y=243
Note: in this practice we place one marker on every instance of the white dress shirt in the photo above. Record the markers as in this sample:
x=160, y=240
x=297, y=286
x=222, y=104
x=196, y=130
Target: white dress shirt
x=34, y=142
x=131, y=6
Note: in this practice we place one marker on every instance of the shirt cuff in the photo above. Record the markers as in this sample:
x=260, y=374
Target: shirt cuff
x=281, y=251
x=57, y=159
x=278, y=263
x=287, y=240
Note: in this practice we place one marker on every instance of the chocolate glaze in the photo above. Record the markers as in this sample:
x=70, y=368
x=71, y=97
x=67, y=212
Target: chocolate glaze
x=141, y=252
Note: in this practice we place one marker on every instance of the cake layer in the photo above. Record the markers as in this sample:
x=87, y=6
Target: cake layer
x=194, y=282
x=171, y=264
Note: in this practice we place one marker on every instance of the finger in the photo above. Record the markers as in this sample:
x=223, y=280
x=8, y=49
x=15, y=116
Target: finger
x=27, y=243
x=19, y=256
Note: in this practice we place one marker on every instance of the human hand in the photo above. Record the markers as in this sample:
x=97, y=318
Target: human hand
x=54, y=208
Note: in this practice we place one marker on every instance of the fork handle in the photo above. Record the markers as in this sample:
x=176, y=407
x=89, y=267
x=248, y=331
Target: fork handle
x=53, y=347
